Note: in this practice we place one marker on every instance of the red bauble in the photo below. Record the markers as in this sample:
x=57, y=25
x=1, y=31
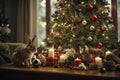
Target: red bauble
x=62, y=4
x=57, y=55
x=68, y=22
x=99, y=45
x=77, y=19
x=89, y=7
x=72, y=29
x=110, y=21
x=94, y=18
x=101, y=30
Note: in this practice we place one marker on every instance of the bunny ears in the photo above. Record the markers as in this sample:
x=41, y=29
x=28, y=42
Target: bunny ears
x=30, y=41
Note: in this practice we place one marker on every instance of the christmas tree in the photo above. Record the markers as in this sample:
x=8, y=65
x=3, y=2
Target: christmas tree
x=81, y=23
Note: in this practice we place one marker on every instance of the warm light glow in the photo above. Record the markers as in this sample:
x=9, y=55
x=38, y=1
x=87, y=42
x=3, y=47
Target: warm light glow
x=43, y=44
x=108, y=52
x=51, y=52
x=43, y=3
x=43, y=24
x=98, y=61
x=62, y=58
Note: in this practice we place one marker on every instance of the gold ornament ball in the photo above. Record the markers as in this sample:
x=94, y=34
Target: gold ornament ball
x=84, y=22
x=89, y=38
x=92, y=27
x=60, y=48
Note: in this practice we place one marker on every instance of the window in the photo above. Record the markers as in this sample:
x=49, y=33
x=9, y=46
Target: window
x=41, y=20
x=42, y=14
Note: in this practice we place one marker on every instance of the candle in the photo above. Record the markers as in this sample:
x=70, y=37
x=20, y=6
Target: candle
x=77, y=62
x=98, y=61
x=62, y=59
x=108, y=52
x=51, y=53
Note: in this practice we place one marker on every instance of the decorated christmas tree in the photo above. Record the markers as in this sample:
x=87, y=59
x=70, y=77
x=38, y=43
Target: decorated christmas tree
x=81, y=23
x=83, y=36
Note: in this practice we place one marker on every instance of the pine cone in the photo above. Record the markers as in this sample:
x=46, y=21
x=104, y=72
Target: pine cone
x=109, y=65
x=113, y=57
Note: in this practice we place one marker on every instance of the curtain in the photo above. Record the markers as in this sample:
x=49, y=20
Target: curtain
x=26, y=20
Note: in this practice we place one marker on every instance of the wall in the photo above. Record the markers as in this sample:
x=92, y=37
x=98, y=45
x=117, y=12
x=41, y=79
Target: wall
x=11, y=14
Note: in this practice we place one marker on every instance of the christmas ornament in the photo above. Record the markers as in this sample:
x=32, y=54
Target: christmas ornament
x=92, y=27
x=110, y=21
x=52, y=61
x=100, y=7
x=82, y=2
x=77, y=19
x=99, y=45
x=101, y=31
x=57, y=56
x=36, y=63
x=72, y=29
x=67, y=23
x=62, y=4
x=77, y=62
x=105, y=11
x=89, y=7
x=60, y=48
x=106, y=37
x=81, y=67
x=89, y=38
x=84, y=22
x=94, y=18
x=73, y=35
x=104, y=27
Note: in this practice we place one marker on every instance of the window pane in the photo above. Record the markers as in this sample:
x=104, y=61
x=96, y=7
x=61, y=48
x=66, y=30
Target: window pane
x=41, y=20
x=118, y=12
x=52, y=2
x=109, y=1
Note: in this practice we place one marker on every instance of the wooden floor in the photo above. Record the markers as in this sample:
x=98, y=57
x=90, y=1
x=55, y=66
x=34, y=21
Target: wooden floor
x=9, y=72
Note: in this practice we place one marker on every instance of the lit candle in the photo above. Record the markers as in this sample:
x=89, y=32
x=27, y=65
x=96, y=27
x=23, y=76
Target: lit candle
x=51, y=53
x=98, y=61
x=62, y=59
x=77, y=62
x=108, y=52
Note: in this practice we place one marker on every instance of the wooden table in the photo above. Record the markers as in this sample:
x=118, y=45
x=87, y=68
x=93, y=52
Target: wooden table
x=9, y=72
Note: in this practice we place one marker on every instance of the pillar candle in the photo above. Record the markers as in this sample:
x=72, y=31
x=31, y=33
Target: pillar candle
x=98, y=61
x=62, y=59
x=51, y=53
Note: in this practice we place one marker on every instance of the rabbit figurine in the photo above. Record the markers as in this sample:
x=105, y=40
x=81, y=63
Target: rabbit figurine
x=23, y=54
